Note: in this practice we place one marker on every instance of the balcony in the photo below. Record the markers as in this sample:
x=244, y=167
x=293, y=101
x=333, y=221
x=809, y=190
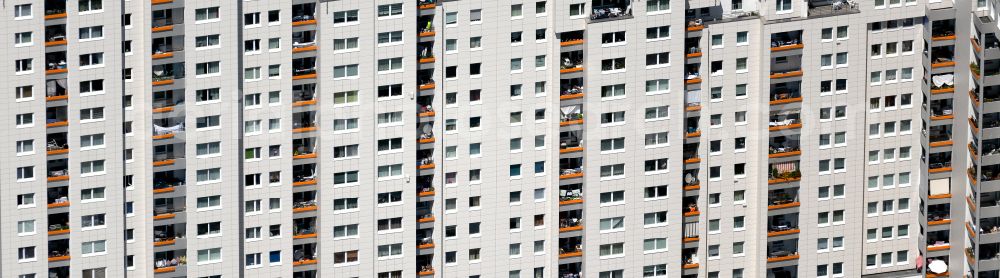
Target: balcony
x=304, y=68
x=168, y=261
x=689, y=258
x=690, y=153
x=424, y=107
x=570, y=168
x=426, y=4
x=58, y=250
x=165, y=208
x=942, y=83
x=425, y=265
x=782, y=120
x=691, y=181
x=56, y=117
x=167, y=101
x=425, y=80
x=570, y=221
x=939, y=162
x=303, y=41
x=57, y=197
x=168, y=181
x=55, y=62
x=824, y=8
x=165, y=47
x=990, y=173
x=58, y=224
x=694, y=24
x=571, y=61
x=786, y=92
x=693, y=74
x=304, y=122
x=425, y=52
x=58, y=170
x=303, y=148
x=991, y=147
x=55, y=9
x=784, y=224
x=782, y=199
x=691, y=206
x=167, y=157
x=940, y=135
x=989, y=225
x=165, y=235
x=166, y=74
x=55, y=35
x=782, y=250
x=939, y=214
x=943, y=56
x=692, y=100
x=55, y=90
x=56, y=144
x=783, y=172
x=571, y=270
x=570, y=141
x=570, y=88
x=164, y=23
x=570, y=247
x=692, y=49
x=167, y=128
x=571, y=115
x=571, y=38
x=304, y=228
x=941, y=109
x=427, y=26
x=424, y=239
x=938, y=240
x=304, y=201
x=607, y=10
x=304, y=14
x=425, y=159
x=786, y=41
x=783, y=146
x=304, y=174
x=692, y=129
x=304, y=95
x=942, y=30
x=570, y=194
x=425, y=134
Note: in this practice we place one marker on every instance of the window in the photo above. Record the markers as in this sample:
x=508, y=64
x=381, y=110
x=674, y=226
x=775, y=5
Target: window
x=656, y=59
x=387, y=171
x=656, y=139
x=390, y=37
x=345, y=177
x=614, y=170
x=390, y=10
x=206, y=14
x=613, y=249
x=26, y=173
x=345, y=17
x=657, y=113
x=390, y=65
x=92, y=60
x=26, y=227
x=783, y=6
x=93, y=247
x=613, y=38
x=94, y=167
x=613, y=117
x=657, y=6
x=208, y=229
x=658, y=33
x=656, y=165
x=206, y=41
x=346, y=231
x=26, y=254
x=345, y=257
x=617, y=64
x=577, y=10
x=210, y=255
x=92, y=194
x=90, y=5
x=209, y=202
x=91, y=33
x=22, y=11
x=346, y=71
x=654, y=218
x=208, y=175
x=23, y=66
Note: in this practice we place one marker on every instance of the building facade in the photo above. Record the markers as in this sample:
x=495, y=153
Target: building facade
x=227, y=139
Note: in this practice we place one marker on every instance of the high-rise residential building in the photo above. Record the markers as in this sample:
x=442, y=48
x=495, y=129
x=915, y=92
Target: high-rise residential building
x=511, y=138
